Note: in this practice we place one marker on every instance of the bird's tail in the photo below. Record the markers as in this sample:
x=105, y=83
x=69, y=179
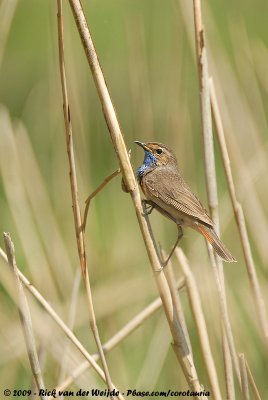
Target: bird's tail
x=211, y=236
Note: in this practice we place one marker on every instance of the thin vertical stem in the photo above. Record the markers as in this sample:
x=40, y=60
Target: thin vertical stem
x=26, y=320
x=229, y=378
x=210, y=171
x=200, y=322
x=209, y=158
x=75, y=201
x=240, y=220
x=176, y=300
x=244, y=377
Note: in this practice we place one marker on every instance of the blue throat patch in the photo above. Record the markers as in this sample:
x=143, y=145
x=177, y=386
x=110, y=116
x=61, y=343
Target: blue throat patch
x=148, y=162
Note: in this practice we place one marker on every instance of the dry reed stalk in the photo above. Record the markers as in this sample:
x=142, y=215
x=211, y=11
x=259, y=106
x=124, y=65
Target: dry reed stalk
x=124, y=332
x=226, y=322
x=59, y=321
x=244, y=377
x=211, y=180
x=252, y=382
x=75, y=201
x=41, y=353
x=96, y=191
x=240, y=219
x=228, y=368
x=209, y=158
x=25, y=317
x=184, y=358
x=196, y=307
x=169, y=272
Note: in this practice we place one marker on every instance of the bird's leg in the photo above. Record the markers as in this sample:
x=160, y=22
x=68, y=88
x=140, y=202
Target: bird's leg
x=180, y=235
x=148, y=206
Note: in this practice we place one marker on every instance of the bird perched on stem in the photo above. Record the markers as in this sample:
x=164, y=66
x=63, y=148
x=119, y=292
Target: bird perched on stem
x=166, y=191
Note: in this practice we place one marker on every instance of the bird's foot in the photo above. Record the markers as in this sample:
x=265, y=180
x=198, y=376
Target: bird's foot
x=148, y=207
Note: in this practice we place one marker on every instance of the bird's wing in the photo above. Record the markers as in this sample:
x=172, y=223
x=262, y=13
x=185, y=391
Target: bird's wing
x=172, y=190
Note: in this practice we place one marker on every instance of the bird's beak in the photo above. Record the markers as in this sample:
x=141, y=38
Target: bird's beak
x=143, y=145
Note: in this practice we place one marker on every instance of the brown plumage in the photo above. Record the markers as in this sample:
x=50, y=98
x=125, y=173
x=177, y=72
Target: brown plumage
x=166, y=191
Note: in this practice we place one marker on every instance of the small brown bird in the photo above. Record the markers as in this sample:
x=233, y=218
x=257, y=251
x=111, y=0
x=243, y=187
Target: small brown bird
x=167, y=192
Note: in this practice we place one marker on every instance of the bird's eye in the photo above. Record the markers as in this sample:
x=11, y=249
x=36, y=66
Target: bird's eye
x=159, y=151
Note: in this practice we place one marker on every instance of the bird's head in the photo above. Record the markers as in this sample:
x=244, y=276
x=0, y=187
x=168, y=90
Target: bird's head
x=156, y=155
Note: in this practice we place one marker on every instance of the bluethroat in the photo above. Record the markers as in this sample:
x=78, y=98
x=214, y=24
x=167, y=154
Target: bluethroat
x=167, y=192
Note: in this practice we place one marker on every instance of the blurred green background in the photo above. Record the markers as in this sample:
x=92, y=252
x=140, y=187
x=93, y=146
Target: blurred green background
x=146, y=49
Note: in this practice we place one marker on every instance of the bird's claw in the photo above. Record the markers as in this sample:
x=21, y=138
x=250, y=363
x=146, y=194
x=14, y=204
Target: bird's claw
x=148, y=206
